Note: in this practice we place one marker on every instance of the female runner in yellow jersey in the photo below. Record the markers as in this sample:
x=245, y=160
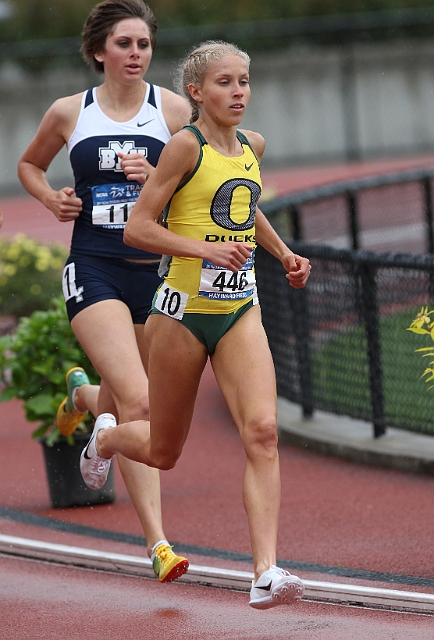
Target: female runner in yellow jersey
x=207, y=307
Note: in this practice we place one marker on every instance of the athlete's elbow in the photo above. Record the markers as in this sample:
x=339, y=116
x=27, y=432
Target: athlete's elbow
x=22, y=171
x=130, y=238
x=132, y=235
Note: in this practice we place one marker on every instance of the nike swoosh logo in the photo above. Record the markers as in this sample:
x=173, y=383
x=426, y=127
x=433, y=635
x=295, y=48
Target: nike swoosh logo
x=142, y=124
x=267, y=587
x=247, y=168
x=85, y=453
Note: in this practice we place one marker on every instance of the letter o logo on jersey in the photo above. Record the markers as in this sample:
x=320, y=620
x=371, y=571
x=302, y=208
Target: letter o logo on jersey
x=221, y=205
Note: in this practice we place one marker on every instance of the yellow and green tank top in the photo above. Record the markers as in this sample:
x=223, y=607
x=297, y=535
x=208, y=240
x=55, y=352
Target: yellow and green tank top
x=217, y=203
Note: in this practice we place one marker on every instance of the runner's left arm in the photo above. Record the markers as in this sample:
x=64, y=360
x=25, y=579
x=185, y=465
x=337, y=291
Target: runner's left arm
x=297, y=268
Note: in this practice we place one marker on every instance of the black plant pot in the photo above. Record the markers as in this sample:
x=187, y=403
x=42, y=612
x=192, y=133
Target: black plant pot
x=65, y=482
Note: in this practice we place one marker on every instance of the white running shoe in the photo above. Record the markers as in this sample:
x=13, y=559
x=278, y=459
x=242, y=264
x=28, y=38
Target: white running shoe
x=275, y=586
x=93, y=468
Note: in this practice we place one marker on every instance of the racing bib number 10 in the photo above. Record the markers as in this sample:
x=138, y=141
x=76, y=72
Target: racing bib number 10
x=170, y=302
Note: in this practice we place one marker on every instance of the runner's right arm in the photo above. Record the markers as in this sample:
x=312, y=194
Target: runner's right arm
x=55, y=129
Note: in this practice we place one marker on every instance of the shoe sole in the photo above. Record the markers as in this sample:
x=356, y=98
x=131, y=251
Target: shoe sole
x=97, y=485
x=176, y=572
x=67, y=429
x=286, y=593
x=94, y=485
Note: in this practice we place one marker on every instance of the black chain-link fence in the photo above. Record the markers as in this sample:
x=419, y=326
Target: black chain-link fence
x=341, y=344
x=390, y=212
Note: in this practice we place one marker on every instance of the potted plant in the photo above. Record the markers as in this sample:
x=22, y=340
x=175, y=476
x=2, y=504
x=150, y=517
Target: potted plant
x=33, y=364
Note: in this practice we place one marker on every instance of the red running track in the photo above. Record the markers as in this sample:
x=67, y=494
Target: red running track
x=334, y=512
x=50, y=602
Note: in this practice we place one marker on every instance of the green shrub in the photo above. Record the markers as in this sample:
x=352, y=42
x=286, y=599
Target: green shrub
x=33, y=364
x=423, y=325
x=30, y=274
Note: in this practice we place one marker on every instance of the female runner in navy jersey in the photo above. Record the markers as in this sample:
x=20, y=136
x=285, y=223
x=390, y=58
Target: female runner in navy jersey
x=207, y=307
x=114, y=135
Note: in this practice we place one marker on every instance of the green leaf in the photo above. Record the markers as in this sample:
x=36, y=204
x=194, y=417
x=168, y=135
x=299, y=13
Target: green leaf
x=7, y=394
x=41, y=405
x=53, y=437
x=40, y=432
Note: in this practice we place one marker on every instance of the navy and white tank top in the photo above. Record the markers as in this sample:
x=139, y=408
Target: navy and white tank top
x=108, y=197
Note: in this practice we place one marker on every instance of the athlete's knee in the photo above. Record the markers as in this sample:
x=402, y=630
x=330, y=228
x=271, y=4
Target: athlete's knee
x=135, y=407
x=163, y=458
x=259, y=436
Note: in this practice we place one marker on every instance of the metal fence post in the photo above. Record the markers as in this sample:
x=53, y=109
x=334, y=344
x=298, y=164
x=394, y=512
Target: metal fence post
x=427, y=191
x=369, y=309
x=353, y=219
x=426, y=185
x=294, y=214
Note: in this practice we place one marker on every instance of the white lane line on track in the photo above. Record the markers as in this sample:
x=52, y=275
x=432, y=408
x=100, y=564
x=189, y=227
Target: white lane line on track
x=239, y=580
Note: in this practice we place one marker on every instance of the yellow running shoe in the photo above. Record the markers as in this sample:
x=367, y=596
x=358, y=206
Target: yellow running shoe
x=168, y=566
x=68, y=418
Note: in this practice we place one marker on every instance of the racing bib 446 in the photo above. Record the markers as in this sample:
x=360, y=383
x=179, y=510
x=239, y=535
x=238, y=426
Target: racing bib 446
x=218, y=283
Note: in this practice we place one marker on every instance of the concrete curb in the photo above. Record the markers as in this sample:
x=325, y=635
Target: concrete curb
x=352, y=439
x=209, y=576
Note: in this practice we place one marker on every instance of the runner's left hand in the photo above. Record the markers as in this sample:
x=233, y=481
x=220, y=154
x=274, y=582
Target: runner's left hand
x=298, y=270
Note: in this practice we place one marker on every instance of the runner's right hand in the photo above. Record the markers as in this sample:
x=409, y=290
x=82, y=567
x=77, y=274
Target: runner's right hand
x=64, y=204
x=230, y=255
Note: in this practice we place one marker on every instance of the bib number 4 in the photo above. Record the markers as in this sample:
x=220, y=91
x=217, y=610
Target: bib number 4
x=69, y=285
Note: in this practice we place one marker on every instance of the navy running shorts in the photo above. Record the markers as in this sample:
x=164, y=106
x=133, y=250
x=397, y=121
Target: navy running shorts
x=87, y=280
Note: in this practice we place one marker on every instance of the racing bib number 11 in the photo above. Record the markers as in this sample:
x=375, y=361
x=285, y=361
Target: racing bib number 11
x=112, y=204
